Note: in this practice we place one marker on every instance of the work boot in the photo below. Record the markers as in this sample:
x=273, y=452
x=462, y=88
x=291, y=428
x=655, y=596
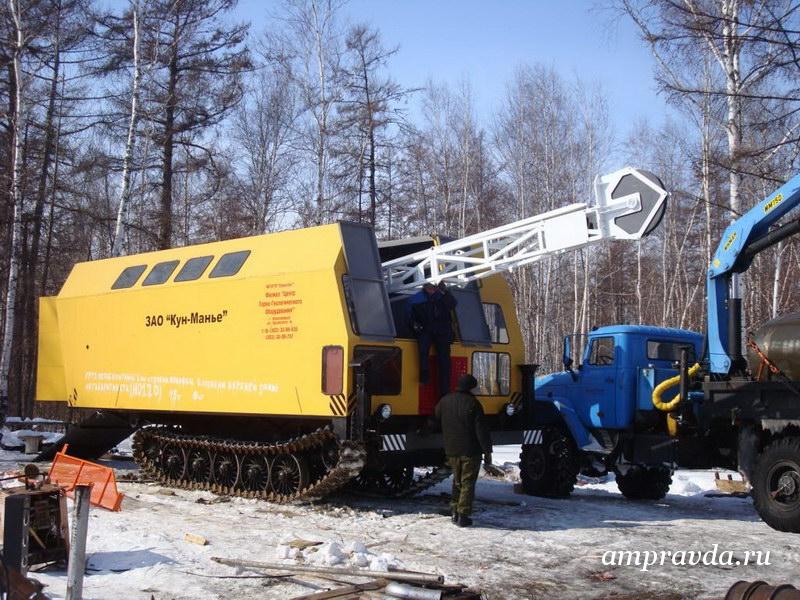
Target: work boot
x=454, y=516
x=464, y=521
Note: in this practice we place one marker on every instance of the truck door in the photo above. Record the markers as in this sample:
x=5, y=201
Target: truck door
x=598, y=383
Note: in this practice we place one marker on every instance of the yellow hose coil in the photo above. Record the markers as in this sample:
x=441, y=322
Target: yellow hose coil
x=665, y=385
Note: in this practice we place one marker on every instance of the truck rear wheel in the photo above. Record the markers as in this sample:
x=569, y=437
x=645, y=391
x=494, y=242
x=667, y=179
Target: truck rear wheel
x=776, y=485
x=550, y=468
x=640, y=482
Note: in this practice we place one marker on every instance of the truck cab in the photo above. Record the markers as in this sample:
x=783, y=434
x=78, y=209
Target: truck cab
x=619, y=367
x=586, y=413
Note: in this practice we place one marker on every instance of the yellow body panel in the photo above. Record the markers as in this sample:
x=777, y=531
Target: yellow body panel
x=50, y=382
x=250, y=343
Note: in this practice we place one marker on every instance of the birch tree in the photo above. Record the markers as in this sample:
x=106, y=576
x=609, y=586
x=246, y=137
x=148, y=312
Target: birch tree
x=15, y=119
x=732, y=66
x=263, y=130
x=127, y=159
x=753, y=46
x=307, y=45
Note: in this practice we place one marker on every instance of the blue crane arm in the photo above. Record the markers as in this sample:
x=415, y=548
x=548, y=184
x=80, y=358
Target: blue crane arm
x=742, y=240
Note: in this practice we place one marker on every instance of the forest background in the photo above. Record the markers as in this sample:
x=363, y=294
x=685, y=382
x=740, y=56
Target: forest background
x=158, y=123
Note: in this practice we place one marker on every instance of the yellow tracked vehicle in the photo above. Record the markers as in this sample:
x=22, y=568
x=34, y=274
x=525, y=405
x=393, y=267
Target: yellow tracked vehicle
x=281, y=366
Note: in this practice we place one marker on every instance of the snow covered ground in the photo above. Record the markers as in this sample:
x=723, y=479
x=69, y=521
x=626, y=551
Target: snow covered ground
x=521, y=547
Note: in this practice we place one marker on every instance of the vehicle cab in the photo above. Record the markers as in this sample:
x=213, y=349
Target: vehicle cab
x=613, y=382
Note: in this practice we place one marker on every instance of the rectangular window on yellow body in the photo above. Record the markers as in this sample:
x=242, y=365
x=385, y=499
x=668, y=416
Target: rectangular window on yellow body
x=496, y=322
x=332, y=370
x=493, y=372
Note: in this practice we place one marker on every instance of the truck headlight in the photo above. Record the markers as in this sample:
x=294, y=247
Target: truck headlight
x=510, y=409
x=384, y=411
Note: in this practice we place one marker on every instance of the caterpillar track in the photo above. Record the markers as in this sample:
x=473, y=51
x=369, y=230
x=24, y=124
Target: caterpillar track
x=398, y=483
x=307, y=467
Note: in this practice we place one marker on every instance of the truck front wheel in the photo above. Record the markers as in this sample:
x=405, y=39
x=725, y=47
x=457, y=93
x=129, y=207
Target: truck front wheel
x=549, y=468
x=776, y=485
x=640, y=482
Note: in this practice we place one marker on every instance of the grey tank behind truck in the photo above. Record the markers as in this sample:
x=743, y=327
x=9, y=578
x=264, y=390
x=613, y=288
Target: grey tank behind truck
x=779, y=341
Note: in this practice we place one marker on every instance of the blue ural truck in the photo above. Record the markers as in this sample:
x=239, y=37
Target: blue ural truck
x=645, y=400
x=599, y=416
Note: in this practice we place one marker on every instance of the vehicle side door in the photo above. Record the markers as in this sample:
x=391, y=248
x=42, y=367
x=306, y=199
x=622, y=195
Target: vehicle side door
x=597, y=383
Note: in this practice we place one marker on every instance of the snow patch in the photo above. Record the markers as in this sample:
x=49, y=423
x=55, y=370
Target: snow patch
x=329, y=554
x=692, y=483
x=124, y=448
x=11, y=440
x=333, y=553
x=383, y=562
x=691, y=488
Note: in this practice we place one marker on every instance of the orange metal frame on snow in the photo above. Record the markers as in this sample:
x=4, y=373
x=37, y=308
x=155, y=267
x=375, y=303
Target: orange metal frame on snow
x=68, y=471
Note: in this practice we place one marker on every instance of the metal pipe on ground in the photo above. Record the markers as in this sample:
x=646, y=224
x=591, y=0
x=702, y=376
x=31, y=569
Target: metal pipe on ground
x=77, y=547
x=421, y=578
x=761, y=590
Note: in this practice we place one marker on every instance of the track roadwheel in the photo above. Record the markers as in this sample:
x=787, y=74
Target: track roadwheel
x=776, y=485
x=289, y=474
x=225, y=469
x=323, y=460
x=395, y=480
x=366, y=480
x=173, y=462
x=199, y=466
x=644, y=483
x=151, y=449
x=255, y=473
x=549, y=469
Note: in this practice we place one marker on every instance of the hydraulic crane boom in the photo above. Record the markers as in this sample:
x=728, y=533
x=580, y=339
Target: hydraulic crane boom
x=629, y=205
x=741, y=242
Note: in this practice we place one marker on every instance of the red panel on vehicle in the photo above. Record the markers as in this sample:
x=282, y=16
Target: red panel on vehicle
x=429, y=393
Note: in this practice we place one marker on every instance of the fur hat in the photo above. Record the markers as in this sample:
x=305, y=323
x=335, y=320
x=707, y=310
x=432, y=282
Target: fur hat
x=466, y=382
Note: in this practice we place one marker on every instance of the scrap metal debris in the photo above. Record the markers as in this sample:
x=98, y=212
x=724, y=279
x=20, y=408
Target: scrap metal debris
x=15, y=586
x=761, y=590
x=602, y=576
x=214, y=500
x=393, y=583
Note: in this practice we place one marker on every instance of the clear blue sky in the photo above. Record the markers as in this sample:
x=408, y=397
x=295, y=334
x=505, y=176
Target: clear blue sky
x=485, y=40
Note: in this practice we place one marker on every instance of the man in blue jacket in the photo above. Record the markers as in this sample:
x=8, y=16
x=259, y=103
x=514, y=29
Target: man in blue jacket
x=431, y=321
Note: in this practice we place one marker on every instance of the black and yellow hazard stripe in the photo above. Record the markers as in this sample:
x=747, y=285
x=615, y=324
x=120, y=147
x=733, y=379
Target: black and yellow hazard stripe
x=338, y=405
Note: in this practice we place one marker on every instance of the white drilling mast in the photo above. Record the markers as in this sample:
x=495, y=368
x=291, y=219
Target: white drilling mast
x=629, y=204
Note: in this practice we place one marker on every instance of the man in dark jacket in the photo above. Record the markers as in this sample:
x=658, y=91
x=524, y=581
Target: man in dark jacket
x=466, y=437
x=429, y=315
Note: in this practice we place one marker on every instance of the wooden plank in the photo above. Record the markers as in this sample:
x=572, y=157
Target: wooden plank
x=193, y=538
x=730, y=485
x=375, y=584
